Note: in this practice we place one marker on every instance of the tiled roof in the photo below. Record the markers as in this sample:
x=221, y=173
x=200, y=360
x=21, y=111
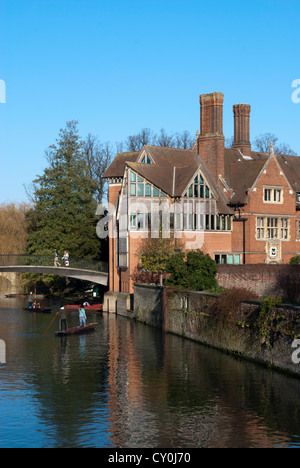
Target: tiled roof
x=241, y=174
x=116, y=169
x=174, y=168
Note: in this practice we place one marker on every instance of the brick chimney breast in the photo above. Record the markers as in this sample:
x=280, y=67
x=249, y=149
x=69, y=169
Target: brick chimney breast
x=211, y=139
x=241, y=114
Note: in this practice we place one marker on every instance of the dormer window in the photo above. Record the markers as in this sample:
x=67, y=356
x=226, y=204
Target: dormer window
x=145, y=158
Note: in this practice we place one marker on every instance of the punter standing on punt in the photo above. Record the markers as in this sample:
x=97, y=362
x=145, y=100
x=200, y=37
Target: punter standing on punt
x=82, y=316
x=63, y=324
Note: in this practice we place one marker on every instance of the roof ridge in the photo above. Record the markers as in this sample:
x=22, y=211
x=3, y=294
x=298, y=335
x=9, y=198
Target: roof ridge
x=169, y=148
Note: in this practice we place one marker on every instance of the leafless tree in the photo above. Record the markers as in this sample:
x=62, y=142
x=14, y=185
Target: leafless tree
x=136, y=142
x=163, y=139
x=98, y=157
x=185, y=140
x=13, y=230
x=262, y=144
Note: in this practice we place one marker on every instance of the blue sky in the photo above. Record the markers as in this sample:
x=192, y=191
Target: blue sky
x=118, y=66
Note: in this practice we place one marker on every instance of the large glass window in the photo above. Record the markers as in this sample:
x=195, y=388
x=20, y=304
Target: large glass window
x=199, y=188
x=272, y=228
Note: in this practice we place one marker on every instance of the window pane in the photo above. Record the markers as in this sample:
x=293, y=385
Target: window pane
x=133, y=221
x=140, y=221
x=201, y=221
x=178, y=221
x=230, y=259
x=148, y=190
x=155, y=192
x=140, y=190
x=237, y=259
x=132, y=177
x=133, y=190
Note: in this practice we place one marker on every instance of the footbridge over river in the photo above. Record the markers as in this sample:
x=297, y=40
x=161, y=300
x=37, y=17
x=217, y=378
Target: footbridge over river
x=88, y=270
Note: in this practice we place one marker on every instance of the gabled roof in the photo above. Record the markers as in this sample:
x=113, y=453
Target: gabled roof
x=117, y=167
x=241, y=174
x=172, y=171
x=161, y=172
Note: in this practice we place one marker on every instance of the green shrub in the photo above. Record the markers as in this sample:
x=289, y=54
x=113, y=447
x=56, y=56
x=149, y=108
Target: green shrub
x=195, y=271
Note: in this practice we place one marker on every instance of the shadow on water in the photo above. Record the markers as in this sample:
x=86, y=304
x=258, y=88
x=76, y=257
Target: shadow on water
x=129, y=385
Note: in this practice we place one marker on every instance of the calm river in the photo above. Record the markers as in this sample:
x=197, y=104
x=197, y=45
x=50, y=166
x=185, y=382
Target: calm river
x=129, y=385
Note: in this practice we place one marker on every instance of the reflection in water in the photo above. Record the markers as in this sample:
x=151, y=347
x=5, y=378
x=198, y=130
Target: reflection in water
x=129, y=385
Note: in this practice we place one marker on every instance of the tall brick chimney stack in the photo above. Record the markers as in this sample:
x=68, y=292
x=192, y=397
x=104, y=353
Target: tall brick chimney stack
x=211, y=139
x=241, y=114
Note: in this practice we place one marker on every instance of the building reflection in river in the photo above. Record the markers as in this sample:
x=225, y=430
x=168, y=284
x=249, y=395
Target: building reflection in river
x=130, y=385
x=165, y=391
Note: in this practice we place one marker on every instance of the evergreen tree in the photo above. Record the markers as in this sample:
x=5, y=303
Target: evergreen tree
x=63, y=214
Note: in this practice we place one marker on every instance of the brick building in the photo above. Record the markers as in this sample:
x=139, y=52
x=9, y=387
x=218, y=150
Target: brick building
x=237, y=205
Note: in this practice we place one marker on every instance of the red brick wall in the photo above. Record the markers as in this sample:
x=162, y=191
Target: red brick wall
x=261, y=278
x=256, y=249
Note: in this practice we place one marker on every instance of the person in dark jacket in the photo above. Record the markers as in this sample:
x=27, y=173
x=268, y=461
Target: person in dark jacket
x=63, y=324
x=30, y=300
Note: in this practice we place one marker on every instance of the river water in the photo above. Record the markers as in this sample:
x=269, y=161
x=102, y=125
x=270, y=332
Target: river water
x=128, y=385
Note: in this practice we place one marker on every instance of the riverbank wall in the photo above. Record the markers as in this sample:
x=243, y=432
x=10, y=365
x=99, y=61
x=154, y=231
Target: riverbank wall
x=257, y=330
x=11, y=283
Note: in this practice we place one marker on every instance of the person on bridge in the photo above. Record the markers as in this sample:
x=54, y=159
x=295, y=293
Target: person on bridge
x=56, y=257
x=65, y=258
x=82, y=316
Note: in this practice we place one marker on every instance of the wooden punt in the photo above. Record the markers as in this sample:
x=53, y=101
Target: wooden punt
x=77, y=330
x=91, y=308
x=38, y=309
